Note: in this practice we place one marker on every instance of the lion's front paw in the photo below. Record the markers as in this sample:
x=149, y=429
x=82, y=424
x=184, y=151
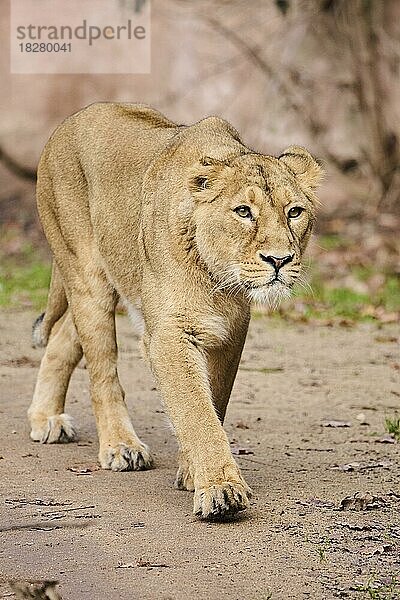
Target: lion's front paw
x=221, y=501
x=122, y=457
x=58, y=429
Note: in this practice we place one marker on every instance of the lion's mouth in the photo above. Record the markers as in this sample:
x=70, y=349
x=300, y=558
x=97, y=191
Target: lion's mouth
x=271, y=292
x=273, y=282
x=259, y=287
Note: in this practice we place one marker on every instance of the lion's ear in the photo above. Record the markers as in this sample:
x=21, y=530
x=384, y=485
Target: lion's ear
x=307, y=170
x=205, y=177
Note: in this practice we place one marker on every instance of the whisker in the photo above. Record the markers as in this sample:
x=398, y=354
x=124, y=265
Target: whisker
x=226, y=279
x=304, y=283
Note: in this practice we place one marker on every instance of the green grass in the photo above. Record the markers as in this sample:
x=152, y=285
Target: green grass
x=324, y=300
x=341, y=301
x=322, y=550
x=332, y=241
x=376, y=591
x=389, y=296
x=392, y=426
x=24, y=283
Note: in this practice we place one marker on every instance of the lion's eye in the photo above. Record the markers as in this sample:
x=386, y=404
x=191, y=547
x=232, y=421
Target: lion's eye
x=295, y=212
x=243, y=211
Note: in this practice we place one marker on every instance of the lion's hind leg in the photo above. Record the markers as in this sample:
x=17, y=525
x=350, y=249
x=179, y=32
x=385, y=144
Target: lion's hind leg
x=57, y=305
x=93, y=301
x=46, y=413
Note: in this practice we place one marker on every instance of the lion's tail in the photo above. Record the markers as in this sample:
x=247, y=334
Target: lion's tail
x=57, y=304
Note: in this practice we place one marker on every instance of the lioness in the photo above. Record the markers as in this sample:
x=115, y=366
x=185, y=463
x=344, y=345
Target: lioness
x=188, y=224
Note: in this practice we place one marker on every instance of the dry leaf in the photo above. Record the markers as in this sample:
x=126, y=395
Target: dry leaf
x=317, y=502
x=386, y=438
x=346, y=323
x=388, y=317
x=384, y=549
x=21, y=361
x=334, y=423
x=84, y=470
x=356, y=466
x=361, y=419
x=146, y=563
x=385, y=339
x=242, y=425
x=361, y=501
x=241, y=450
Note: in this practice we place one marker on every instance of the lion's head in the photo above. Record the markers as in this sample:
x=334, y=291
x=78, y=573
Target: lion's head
x=252, y=217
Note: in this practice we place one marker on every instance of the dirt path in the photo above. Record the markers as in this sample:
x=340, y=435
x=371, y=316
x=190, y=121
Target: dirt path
x=132, y=535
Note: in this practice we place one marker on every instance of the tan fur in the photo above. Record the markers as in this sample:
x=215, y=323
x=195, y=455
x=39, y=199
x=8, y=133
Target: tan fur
x=137, y=207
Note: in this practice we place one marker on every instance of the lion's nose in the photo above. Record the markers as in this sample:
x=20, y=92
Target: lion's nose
x=277, y=261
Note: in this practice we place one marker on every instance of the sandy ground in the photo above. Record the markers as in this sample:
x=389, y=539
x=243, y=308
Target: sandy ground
x=132, y=535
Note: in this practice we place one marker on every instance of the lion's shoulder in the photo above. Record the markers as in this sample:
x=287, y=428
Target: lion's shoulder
x=214, y=125
x=141, y=115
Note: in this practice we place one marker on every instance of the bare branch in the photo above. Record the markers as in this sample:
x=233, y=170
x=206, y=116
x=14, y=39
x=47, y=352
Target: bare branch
x=12, y=165
x=289, y=90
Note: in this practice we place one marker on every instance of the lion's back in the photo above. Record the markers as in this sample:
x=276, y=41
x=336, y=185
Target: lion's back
x=101, y=154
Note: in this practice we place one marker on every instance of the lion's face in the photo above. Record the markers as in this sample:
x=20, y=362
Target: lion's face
x=253, y=218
